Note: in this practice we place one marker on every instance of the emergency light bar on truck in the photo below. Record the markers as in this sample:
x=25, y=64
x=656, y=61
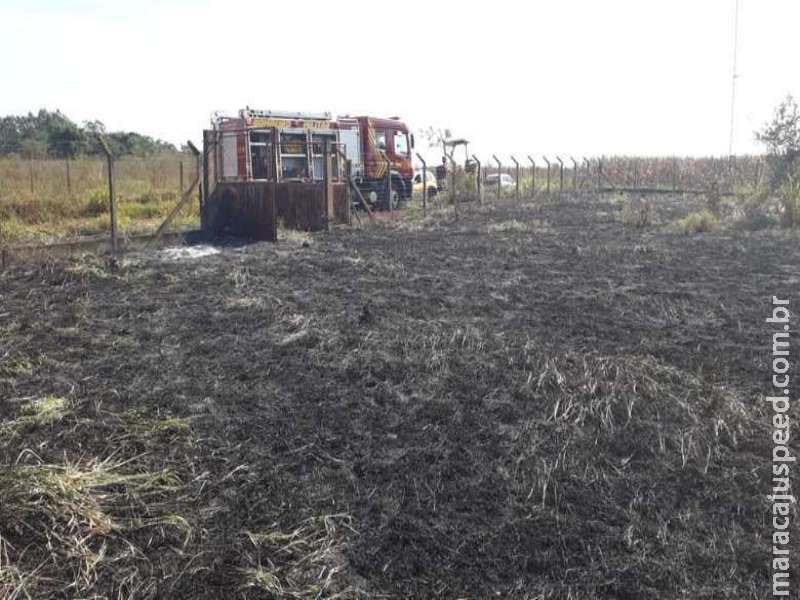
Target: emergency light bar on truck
x=284, y=114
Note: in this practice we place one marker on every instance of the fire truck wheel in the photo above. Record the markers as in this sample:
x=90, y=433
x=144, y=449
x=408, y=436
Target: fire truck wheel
x=395, y=199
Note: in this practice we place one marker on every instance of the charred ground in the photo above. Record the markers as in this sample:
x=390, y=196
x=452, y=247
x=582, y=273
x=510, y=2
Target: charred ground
x=531, y=402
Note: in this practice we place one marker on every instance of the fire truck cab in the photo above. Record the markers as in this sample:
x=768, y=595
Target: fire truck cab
x=376, y=146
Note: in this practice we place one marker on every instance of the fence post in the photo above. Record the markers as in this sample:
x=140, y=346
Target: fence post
x=516, y=173
x=185, y=197
x=499, y=174
x=453, y=193
x=599, y=175
x=30, y=169
x=478, y=175
x=561, y=176
x=112, y=199
x=548, y=173
x=574, y=173
x=533, y=176
x=453, y=186
x=276, y=173
x=69, y=180
x=348, y=170
x=424, y=183
x=180, y=170
x=205, y=183
x=588, y=175
x=326, y=180
x=388, y=181
x=674, y=175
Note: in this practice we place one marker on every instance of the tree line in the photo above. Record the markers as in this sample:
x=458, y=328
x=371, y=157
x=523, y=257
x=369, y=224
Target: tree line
x=51, y=134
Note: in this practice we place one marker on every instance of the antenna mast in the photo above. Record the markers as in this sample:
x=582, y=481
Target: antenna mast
x=735, y=76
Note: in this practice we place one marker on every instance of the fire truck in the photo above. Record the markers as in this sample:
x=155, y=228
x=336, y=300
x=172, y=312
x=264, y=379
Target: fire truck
x=379, y=150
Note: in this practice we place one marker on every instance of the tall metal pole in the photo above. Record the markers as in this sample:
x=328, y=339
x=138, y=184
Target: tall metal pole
x=516, y=173
x=561, y=176
x=478, y=175
x=735, y=75
x=499, y=174
x=112, y=198
x=455, y=195
x=533, y=176
x=588, y=170
x=424, y=183
x=574, y=173
x=546, y=160
x=326, y=188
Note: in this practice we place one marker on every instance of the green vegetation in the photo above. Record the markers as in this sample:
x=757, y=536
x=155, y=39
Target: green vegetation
x=636, y=213
x=698, y=222
x=53, y=179
x=782, y=138
x=39, y=203
x=53, y=134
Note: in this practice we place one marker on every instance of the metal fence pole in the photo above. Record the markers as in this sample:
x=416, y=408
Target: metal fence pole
x=69, y=179
x=588, y=175
x=276, y=174
x=180, y=171
x=478, y=174
x=548, y=173
x=348, y=170
x=453, y=185
x=533, y=176
x=326, y=180
x=388, y=181
x=574, y=174
x=207, y=136
x=112, y=198
x=424, y=183
x=599, y=175
x=516, y=165
x=499, y=174
x=674, y=175
x=453, y=193
x=561, y=176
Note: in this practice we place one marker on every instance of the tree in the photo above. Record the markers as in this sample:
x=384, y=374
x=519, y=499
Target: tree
x=436, y=137
x=781, y=136
x=64, y=140
x=33, y=148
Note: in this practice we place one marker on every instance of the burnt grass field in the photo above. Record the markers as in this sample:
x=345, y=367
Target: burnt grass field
x=533, y=401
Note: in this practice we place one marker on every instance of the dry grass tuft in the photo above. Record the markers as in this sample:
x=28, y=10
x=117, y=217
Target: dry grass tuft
x=698, y=222
x=510, y=225
x=305, y=562
x=41, y=412
x=636, y=213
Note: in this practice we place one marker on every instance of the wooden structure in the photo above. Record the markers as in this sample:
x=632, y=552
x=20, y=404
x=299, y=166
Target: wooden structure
x=257, y=178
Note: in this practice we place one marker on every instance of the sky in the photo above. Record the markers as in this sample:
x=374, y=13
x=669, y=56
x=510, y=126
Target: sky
x=572, y=77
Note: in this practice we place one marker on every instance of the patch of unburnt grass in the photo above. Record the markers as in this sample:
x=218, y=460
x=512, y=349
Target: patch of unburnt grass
x=71, y=523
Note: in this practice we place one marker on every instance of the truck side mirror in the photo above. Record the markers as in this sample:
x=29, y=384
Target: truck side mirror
x=412, y=141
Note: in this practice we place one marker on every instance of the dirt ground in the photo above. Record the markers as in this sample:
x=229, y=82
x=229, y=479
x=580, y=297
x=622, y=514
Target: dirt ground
x=533, y=401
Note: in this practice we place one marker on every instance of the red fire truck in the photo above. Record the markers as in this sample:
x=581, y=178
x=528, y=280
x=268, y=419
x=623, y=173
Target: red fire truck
x=375, y=147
